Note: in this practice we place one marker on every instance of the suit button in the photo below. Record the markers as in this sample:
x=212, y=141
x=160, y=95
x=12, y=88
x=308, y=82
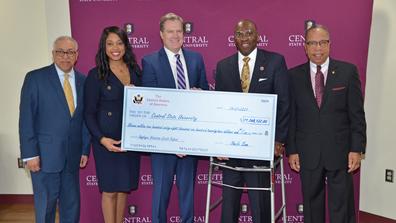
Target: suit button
x=109, y=114
x=108, y=87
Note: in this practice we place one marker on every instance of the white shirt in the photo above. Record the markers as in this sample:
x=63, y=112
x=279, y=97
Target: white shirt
x=324, y=68
x=251, y=62
x=72, y=81
x=172, y=61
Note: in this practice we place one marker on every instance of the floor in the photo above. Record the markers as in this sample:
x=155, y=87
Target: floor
x=369, y=218
x=18, y=213
x=19, y=209
x=24, y=213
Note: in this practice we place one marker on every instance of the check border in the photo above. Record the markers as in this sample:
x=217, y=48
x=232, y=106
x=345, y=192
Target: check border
x=188, y=95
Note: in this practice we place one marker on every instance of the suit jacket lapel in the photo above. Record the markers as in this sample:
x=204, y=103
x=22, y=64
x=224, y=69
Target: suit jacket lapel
x=79, y=90
x=189, y=61
x=166, y=68
x=234, y=73
x=258, y=70
x=55, y=82
x=330, y=80
x=306, y=70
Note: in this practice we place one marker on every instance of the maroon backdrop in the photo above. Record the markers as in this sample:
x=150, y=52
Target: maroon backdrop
x=281, y=27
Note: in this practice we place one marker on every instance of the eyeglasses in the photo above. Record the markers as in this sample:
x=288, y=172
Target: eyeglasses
x=247, y=34
x=321, y=43
x=69, y=53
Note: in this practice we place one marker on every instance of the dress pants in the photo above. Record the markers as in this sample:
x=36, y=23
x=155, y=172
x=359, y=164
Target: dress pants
x=50, y=189
x=164, y=167
x=260, y=201
x=339, y=191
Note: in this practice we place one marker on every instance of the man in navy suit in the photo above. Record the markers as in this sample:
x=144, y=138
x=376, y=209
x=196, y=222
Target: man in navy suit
x=252, y=70
x=173, y=67
x=54, y=142
x=327, y=130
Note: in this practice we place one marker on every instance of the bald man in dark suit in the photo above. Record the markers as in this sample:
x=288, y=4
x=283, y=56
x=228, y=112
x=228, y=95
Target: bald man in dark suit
x=252, y=70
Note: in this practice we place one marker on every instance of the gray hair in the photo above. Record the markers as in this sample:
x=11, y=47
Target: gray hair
x=62, y=38
x=169, y=17
x=316, y=26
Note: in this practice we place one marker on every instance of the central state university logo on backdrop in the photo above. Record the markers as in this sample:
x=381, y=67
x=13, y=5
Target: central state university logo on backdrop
x=132, y=210
x=146, y=179
x=309, y=23
x=294, y=219
x=287, y=177
x=91, y=180
x=245, y=219
x=193, y=41
x=203, y=178
x=298, y=217
x=145, y=219
x=296, y=40
x=300, y=208
x=137, y=42
x=188, y=27
x=177, y=219
x=262, y=41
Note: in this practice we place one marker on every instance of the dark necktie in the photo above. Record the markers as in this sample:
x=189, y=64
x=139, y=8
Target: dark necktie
x=181, y=79
x=319, y=86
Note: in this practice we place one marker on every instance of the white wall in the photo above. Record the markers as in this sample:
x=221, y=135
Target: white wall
x=378, y=196
x=28, y=30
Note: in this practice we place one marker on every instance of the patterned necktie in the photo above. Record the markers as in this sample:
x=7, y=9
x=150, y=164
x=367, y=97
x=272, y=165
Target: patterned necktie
x=245, y=77
x=181, y=79
x=319, y=86
x=68, y=94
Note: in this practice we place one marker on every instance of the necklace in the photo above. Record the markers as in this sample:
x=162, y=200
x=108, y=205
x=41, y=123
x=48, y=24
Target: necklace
x=122, y=73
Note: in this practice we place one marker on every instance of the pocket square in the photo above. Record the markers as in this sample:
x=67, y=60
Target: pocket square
x=262, y=79
x=338, y=88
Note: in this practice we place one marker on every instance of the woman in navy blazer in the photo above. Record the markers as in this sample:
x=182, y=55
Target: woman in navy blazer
x=117, y=172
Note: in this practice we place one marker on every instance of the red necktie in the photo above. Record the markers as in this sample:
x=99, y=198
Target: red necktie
x=319, y=86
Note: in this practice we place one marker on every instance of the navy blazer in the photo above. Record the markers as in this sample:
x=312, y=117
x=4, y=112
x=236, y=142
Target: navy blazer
x=157, y=71
x=326, y=134
x=46, y=128
x=104, y=104
x=269, y=77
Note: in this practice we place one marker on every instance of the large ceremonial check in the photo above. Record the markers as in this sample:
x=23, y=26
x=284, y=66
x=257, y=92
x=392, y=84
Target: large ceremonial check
x=203, y=123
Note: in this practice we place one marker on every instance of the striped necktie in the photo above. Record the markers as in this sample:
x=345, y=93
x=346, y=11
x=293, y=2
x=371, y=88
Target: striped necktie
x=181, y=79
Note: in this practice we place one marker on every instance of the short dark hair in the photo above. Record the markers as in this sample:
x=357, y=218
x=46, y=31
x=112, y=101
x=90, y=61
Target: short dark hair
x=245, y=21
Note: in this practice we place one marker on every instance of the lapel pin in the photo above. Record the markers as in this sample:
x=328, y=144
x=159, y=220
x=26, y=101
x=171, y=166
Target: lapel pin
x=261, y=68
x=333, y=72
x=108, y=87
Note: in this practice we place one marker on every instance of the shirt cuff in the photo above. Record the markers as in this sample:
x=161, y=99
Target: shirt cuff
x=30, y=158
